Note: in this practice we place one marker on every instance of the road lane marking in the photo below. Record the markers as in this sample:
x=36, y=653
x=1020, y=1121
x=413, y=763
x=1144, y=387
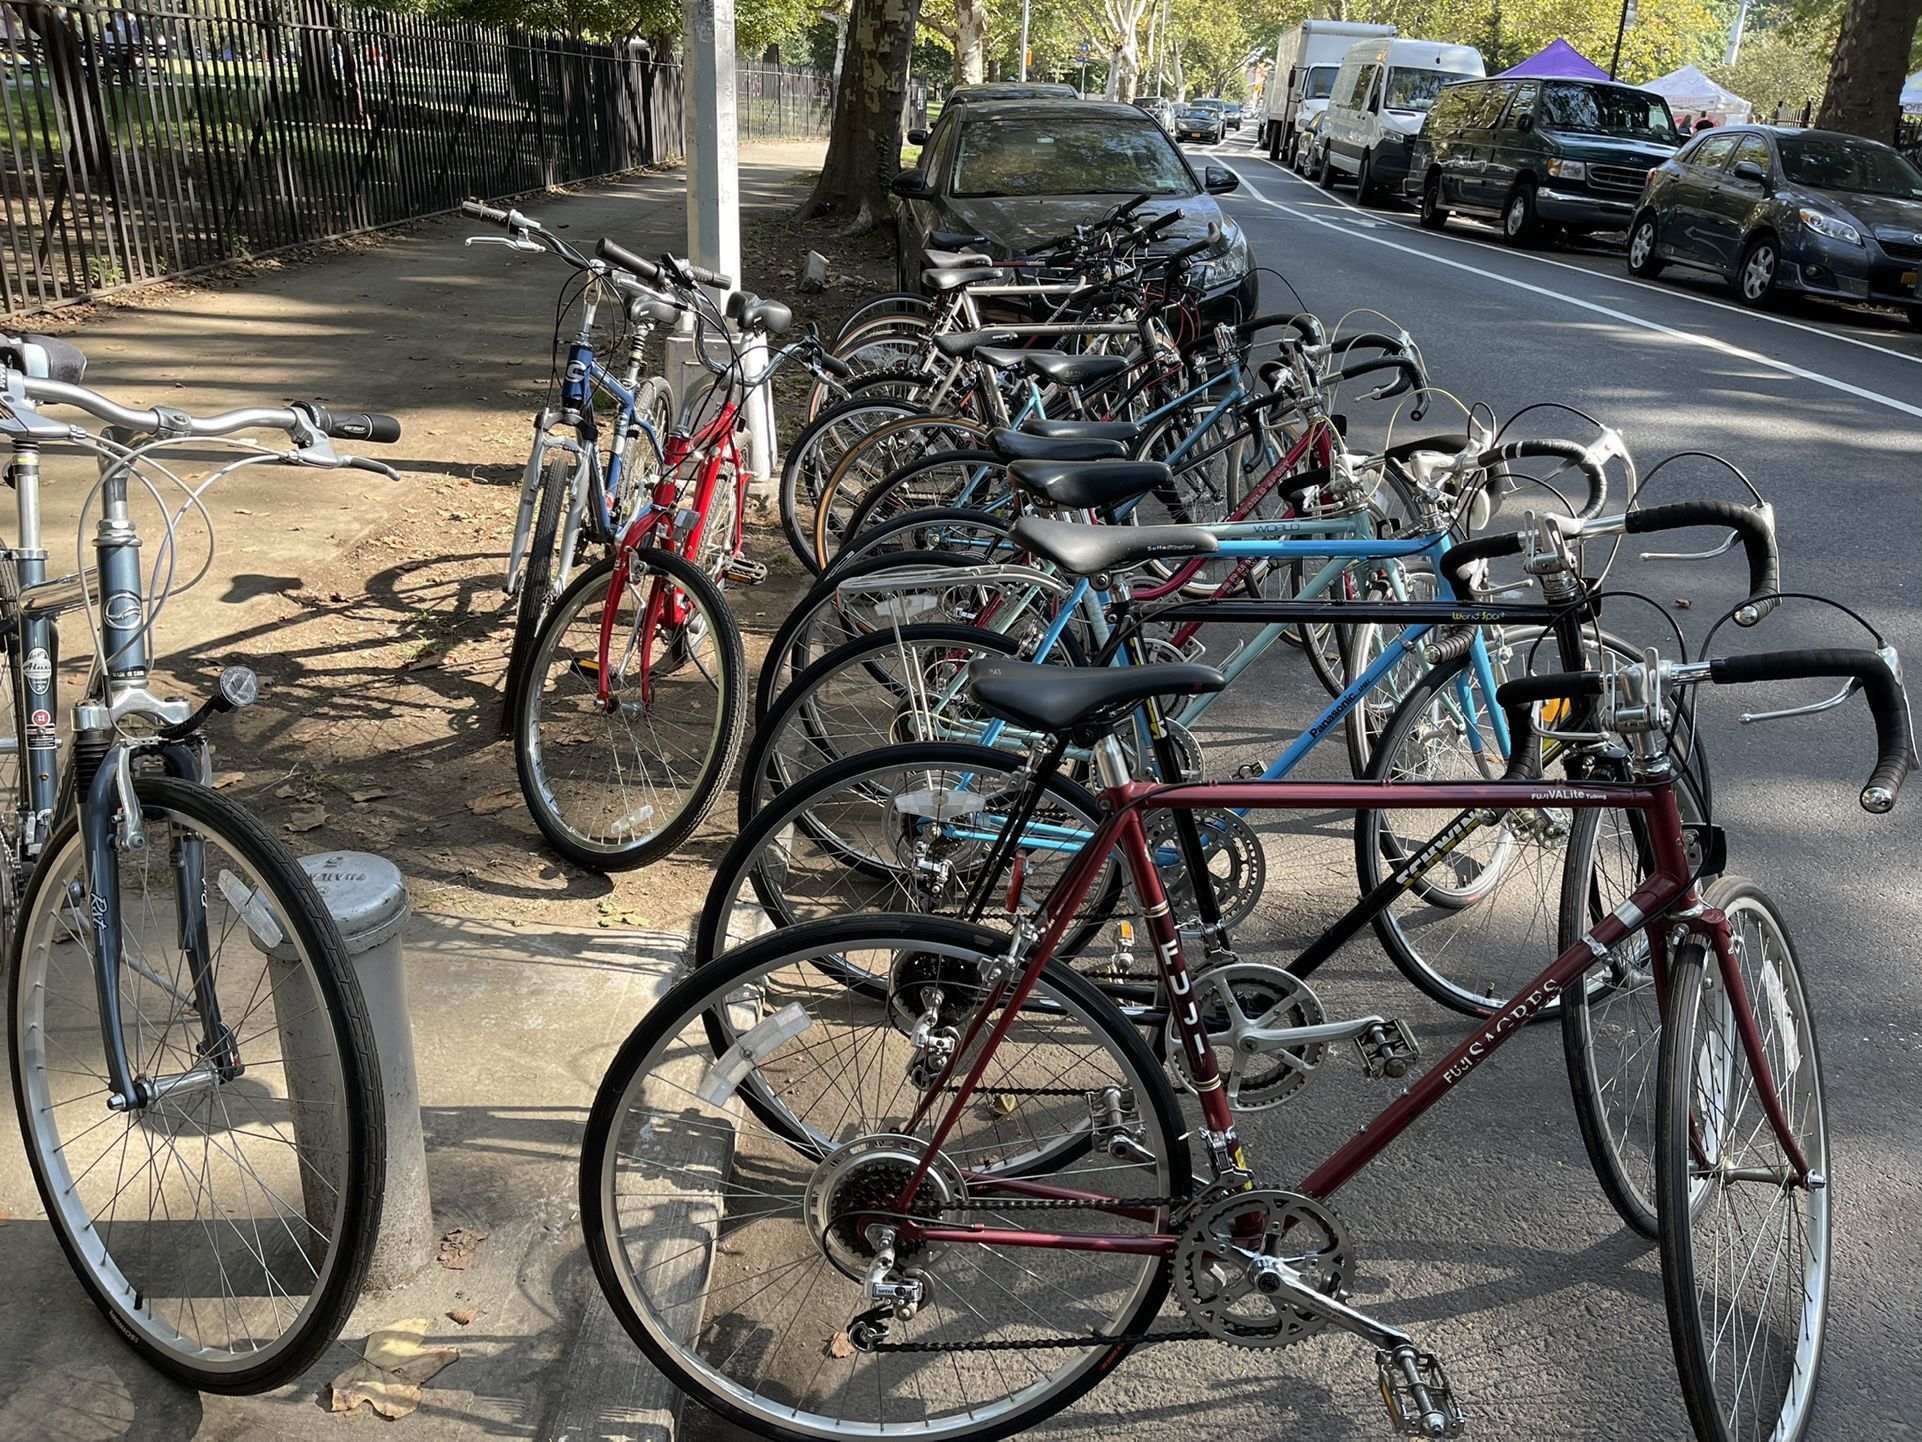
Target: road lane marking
x=1625, y=317
x=1402, y=223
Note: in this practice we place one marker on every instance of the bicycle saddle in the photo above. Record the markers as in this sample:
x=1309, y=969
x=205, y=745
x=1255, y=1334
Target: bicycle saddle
x=1020, y=446
x=1001, y=357
x=1083, y=550
x=1064, y=700
x=1088, y=485
x=962, y=344
x=1075, y=370
x=942, y=278
x=958, y=259
x=750, y=312
x=44, y=357
x=1127, y=432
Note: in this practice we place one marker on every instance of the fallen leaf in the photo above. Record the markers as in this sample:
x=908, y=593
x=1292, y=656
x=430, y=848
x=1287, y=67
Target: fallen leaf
x=457, y=1248
x=424, y=663
x=840, y=1346
x=363, y=797
x=290, y=788
x=1682, y=603
x=307, y=818
x=463, y=1316
x=391, y=1370
x=228, y=778
x=494, y=801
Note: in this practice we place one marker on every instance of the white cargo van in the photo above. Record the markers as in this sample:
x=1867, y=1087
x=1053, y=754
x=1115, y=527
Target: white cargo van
x=1382, y=94
x=1306, y=59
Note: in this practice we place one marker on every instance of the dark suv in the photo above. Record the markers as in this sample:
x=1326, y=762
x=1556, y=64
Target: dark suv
x=1787, y=210
x=1541, y=155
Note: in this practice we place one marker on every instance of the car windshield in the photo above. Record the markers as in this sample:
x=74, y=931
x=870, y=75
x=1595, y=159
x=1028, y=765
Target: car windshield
x=1214, y=107
x=1830, y=162
x=1604, y=110
x=1059, y=154
x=1321, y=83
x=1415, y=89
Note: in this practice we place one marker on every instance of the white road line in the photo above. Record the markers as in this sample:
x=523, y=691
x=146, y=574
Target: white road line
x=1626, y=318
x=1667, y=291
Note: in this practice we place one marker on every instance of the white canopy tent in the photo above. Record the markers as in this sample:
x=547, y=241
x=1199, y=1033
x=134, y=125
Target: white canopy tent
x=1691, y=94
x=1912, y=94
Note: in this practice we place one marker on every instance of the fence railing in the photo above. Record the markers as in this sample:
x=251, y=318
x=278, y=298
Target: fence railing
x=146, y=140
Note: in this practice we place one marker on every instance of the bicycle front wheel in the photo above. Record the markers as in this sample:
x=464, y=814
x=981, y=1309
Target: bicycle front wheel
x=537, y=581
x=1745, y=1246
x=223, y=1224
x=763, y=1113
x=619, y=784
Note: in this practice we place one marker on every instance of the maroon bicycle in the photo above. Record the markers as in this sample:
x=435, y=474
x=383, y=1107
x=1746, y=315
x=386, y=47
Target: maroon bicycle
x=949, y=1211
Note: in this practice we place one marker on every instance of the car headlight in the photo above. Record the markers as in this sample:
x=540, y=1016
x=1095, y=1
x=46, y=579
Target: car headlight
x=1568, y=169
x=1833, y=227
x=1227, y=268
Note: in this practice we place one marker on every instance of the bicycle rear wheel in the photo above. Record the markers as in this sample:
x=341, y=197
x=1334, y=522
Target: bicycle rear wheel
x=1745, y=1249
x=812, y=458
x=723, y=1218
x=225, y=1226
x=619, y=787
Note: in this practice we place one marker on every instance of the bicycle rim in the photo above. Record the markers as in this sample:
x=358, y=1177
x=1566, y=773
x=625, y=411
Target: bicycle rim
x=1745, y=1256
x=722, y=1231
x=224, y=1227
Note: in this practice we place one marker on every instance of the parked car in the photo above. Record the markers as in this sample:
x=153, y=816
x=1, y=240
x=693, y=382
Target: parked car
x=1195, y=122
x=998, y=90
x=1540, y=155
x=1231, y=114
x=1306, y=59
x=1011, y=175
x=1161, y=108
x=1778, y=210
x=1307, y=155
x=1382, y=94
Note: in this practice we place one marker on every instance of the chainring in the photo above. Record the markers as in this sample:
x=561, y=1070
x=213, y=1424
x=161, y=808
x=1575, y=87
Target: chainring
x=1228, y=1242
x=1237, y=999
x=1237, y=866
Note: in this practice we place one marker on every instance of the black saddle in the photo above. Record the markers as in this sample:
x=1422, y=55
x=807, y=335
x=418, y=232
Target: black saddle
x=1066, y=700
x=1001, y=357
x=1075, y=370
x=1083, y=550
x=44, y=357
x=1088, y=485
x=943, y=278
x=1020, y=446
x=1127, y=432
x=964, y=343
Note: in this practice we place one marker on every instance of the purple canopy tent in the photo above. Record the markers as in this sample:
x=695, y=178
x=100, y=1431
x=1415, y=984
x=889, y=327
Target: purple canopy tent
x=1558, y=60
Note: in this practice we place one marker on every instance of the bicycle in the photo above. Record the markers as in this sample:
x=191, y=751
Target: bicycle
x=887, y=1173
x=192, y=1064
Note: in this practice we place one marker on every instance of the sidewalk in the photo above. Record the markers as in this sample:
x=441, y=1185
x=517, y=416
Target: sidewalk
x=373, y=615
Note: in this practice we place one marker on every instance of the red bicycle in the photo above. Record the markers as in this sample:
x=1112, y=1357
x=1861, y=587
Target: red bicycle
x=947, y=1207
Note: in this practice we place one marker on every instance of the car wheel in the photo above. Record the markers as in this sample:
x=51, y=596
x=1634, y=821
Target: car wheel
x=1519, y=223
x=1364, y=181
x=1325, y=174
x=1642, y=259
x=1276, y=142
x=1433, y=215
x=1755, y=276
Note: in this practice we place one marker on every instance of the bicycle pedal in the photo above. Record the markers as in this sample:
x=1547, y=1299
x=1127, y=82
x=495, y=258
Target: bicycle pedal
x=1387, y=1051
x=1415, y=1390
x=743, y=572
x=586, y=669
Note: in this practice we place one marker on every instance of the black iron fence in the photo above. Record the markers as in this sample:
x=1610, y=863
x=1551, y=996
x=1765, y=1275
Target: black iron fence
x=146, y=140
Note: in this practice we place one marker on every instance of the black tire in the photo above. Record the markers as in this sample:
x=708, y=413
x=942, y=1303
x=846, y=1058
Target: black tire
x=1433, y=216
x=328, y=993
x=906, y=301
x=1915, y=317
x=1700, y=1126
x=1521, y=226
x=1643, y=236
x=546, y=712
x=1365, y=180
x=1755, y=277
x=871, y=461
x=1325, y=172
x=679, y=1021
x=934, y=480
x=537, y=584
x=1276, y=139
x=810, y=460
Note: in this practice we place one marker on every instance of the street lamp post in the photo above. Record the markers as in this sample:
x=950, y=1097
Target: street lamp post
x=1627, y=24
x=1024, y=38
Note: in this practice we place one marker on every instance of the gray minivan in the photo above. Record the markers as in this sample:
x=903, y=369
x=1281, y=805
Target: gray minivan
x=1543, y=156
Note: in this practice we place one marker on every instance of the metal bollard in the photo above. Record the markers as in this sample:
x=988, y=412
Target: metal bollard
x=367, y=898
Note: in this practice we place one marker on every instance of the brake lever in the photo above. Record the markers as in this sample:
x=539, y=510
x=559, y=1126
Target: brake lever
x=512, y=242
x=1767, y=511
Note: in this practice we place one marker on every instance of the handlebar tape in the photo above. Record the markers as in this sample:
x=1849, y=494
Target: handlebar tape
x=1895, y=742
x=1573, y=453
x=1751, y=528
x=1518, y=696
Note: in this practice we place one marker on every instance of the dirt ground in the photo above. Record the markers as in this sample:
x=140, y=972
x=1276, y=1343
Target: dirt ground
x=380, y=671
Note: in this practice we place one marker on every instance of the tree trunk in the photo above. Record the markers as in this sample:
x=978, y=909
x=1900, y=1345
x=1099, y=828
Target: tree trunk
x=88, y=149
x=970, y=40
x=1871, y=59
x=864, y=145
x=1123, y=73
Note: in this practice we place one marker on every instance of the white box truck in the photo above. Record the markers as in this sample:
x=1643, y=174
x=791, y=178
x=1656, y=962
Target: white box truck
x=1306, y=59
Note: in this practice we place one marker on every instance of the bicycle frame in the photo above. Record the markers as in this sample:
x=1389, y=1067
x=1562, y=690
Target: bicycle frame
x=1668, y=893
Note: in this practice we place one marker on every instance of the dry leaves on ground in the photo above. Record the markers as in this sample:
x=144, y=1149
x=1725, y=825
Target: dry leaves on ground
x=457, y=1248
x=392, y=1370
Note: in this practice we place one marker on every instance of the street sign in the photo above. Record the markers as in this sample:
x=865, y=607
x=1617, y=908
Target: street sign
x=1087, y=49
x=1628, y=16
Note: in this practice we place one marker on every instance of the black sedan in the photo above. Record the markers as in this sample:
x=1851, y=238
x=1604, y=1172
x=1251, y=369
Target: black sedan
x=1198, y=123
x=1012, y=176
x=1777, y=211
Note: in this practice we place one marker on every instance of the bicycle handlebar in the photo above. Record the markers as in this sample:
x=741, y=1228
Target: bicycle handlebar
x=296, y=418
x=368, y=426
x=616, y=254
x=1751, y=528
x=1571, y=453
